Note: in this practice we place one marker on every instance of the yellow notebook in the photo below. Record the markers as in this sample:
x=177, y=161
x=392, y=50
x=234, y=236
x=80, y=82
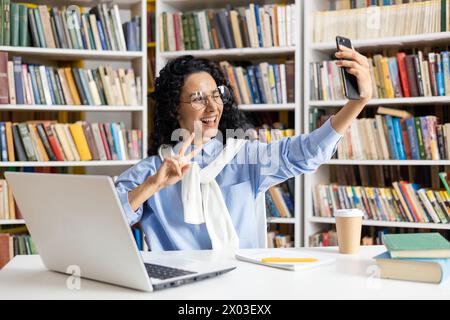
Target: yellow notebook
x=80, y=142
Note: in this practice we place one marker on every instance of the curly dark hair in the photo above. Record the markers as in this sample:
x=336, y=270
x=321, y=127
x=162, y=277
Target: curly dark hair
x=166, y=98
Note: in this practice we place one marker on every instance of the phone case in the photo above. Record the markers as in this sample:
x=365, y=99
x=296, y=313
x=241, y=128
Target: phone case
x=349, y=81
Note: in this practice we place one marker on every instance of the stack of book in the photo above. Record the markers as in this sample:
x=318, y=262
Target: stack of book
x=369, y=19
x=73, y=27
x=402, y=202
x=80, y=141
x=14, y=241
x=403, y=75
x=254, y=26
x=32, y=84
x=387, y=137
x=261, y=83
x=422, y=257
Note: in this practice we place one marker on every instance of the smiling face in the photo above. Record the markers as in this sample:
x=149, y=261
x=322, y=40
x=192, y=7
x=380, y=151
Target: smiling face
x=191, y=115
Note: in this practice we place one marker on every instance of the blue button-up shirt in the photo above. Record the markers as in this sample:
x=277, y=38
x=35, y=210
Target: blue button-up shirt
x=255, y=168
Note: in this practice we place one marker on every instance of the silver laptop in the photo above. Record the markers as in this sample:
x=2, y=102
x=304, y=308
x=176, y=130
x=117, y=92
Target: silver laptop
x=77, y=221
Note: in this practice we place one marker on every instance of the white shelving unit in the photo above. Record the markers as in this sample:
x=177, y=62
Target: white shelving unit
x=376, y=223
x=390, y=162
x=254, y=54
x=28, y=107
x=322, y=51
x=282, y=220
x=232, y=53
x=134, y=116
x=12, y=221
x=71, y=54
x=390, y=102
x=267, y=107
x=69, y=163
x=370, y=44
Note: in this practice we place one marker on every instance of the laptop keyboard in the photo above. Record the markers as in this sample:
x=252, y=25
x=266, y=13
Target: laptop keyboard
x=162, y=272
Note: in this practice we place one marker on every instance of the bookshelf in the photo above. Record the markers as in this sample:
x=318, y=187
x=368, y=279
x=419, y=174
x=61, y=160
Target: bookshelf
x=322, y=51
x=386, y=102
x=12, y=221
x=134, y=117
x=391, y=162
x=406, y=40
x=292, y=110
x=268, y=107
x=61, y=54
x=92, y=163
x=27, y=107
x=436, y=226
x=232, y=53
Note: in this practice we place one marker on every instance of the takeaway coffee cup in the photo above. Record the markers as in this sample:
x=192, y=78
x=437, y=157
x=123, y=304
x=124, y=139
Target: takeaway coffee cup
x=348, y=226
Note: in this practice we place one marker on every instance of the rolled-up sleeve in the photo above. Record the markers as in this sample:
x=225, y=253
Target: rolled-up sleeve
x=129, y=180
x=292, y=156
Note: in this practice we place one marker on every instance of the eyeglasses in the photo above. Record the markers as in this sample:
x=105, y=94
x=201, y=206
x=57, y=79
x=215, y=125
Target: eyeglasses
x=199, y=100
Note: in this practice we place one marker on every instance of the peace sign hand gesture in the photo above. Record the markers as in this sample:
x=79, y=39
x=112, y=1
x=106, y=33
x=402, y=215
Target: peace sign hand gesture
x=174, y=168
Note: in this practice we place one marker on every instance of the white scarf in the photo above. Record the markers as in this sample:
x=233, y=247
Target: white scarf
x=203, y=200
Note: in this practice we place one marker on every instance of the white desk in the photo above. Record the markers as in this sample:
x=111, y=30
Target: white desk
x=350, y=277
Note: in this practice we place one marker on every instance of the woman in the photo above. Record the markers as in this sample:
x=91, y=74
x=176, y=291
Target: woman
x=193, y=95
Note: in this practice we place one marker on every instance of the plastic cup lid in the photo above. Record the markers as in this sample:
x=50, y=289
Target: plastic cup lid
x=350, y=213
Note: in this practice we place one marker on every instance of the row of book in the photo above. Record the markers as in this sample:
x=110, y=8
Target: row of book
x=261, y=83
x=31, y=84
x=369, y=22
x=354, y=4
x=403, y=201
x=15, y=244
x=254, y=26
x=279, y=202
x=72, y=27
x=323, y=239
x=270, y=133
x=404, y=75
x=370, y=236
x=80, y=141
x=8, y=209
x=387, y=137
x=279, y=240
x=383, y=176
x=373, y=236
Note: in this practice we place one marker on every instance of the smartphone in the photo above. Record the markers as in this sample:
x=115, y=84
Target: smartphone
x=349, y=81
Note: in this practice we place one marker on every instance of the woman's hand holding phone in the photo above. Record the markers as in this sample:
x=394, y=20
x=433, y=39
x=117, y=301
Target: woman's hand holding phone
x=357, y=65
x=357, y=85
